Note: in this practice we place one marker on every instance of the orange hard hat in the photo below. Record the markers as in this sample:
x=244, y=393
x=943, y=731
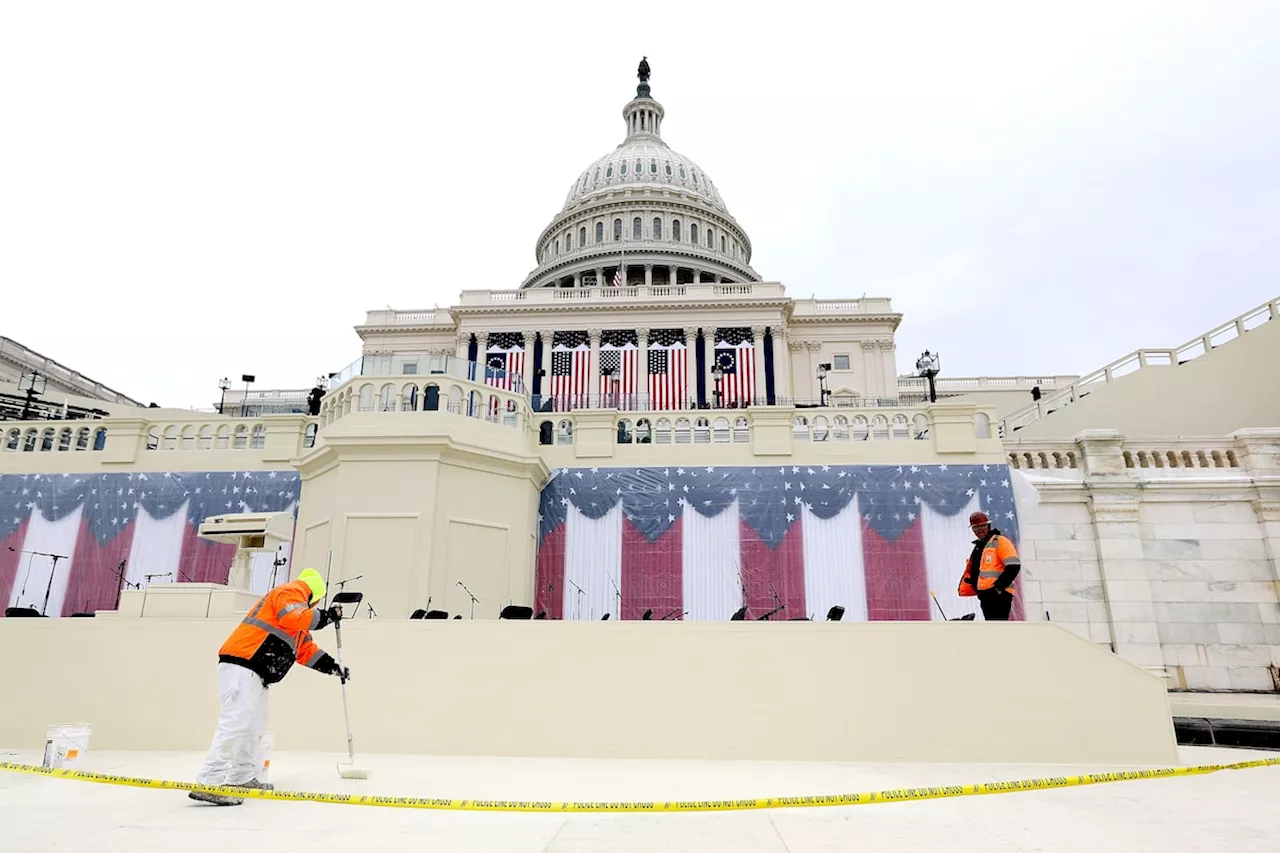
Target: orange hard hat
x=978, y=518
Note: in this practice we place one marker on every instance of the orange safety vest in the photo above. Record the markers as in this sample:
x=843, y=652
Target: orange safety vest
x=997, y=555
x=276, y=632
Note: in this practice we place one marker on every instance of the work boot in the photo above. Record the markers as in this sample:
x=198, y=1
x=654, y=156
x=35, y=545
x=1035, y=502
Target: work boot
x=254, y=783
x=215, y=799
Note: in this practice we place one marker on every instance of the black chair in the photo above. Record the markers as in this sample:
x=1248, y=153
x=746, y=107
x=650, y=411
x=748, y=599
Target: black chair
x=22, y=613
x=604, y=618
x=437, y=614
x=516, y=611
x=648, y=614
x=418, y=614
x=459, y=616
x=835, y=614
x=739, y=615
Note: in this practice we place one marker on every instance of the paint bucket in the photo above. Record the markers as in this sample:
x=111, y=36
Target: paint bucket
x=65, y=746
x=265, y=745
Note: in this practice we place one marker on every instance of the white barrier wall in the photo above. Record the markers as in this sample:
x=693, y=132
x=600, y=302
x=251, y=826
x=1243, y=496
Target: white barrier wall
x=890, y=691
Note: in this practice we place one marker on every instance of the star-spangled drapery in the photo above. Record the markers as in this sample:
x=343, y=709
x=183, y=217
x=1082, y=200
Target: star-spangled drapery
x=92, y=518
x=910, y=521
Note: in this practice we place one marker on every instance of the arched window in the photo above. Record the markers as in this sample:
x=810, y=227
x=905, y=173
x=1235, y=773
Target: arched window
x=682, y=172
x=622, y=169
x=675, y=230
x=693, y=233
x=431, y=399
x=617, y=229
x=568, y=241
x=608, y=172
x=657, y=227
x=710, y=242
x=722, y=242
x=695, y=179
x=639, y=168
x=596, y=180
x=557, y=247
x=668, y=166
x=653, y=167
x=582, y=236
x=599, y=232
x=636, y=228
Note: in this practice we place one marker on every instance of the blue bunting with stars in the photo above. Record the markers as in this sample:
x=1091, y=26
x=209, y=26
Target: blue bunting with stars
x=770, y=499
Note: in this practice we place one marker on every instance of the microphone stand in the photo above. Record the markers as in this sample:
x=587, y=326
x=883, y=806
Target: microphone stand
x=577, y=608
x=123, y=581
x=618, y=593
x=342, y=587
x=778, y=609
x=474, y=600
x=48, y=590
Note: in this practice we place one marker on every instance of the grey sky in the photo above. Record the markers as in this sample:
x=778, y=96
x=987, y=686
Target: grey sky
x=195, y=190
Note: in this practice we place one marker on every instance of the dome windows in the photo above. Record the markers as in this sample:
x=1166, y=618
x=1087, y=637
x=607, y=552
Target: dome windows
x=622, y=169
x=653, y=167
x=675, y=230
x=596, y=180
x=668, y=165
x=657, y=227
x=639, y=168
x=693, y=233
x=722, y=244
x=637, y=227
x=582, y=237
x=710, y=240
x=695, y=179
x=608, y=172
x=617, y=229
x=568, y=241
x=599, y=232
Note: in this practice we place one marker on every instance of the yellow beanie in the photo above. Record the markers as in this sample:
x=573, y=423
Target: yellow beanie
x=312, y=579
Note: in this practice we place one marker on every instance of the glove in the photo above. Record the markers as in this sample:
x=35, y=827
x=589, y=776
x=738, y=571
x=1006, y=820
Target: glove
x=343, y=672
x=335, y=613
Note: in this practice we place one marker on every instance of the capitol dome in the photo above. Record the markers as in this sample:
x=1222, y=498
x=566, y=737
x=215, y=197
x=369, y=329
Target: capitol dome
x=643, y=214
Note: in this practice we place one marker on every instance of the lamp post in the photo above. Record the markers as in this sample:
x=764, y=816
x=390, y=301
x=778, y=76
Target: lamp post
x=33, y=385
x=717, y=373
x=247, y=379
x=223, y=384
x=823, y=391
x=928, y=366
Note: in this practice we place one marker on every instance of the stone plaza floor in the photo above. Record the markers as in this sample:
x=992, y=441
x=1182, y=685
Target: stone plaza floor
x=1230, y=810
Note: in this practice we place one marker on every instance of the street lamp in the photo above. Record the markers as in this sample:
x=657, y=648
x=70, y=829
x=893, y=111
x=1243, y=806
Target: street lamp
x=247, y=379
x=823, y=391
x=928, y=366
x=717, y=372
x=32, y=384
x=223, y=384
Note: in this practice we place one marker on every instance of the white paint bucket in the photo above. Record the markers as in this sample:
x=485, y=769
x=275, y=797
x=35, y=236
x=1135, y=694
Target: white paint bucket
x=65, y=745
x=265, y=745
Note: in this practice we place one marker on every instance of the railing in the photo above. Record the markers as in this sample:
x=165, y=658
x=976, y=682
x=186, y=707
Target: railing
x=551, y=295
x=916, y=385
x=829, y=307
x=50, y=369
x=1171, y=454
x=283, y=435
x=431, y=317
x=642, y=403
x=436, y=392
x=1139, y=359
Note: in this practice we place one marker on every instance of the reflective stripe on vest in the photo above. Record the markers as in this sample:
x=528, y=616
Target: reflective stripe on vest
x=250, y=619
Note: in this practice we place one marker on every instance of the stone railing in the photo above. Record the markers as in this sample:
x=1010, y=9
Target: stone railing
x=657, y=292
x=1139, y=359
x=1169, y=455
x=436, y=392
x=428, y=317
x=778, y=430
x=836, y=307
x=29, y=444
x=916, y=386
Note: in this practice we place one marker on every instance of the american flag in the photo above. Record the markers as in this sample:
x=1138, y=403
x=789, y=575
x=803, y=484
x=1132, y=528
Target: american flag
x=736, y=358
x=617, y=277
x=570, y=371
x=619, y=359
x=668, y=369
x=504, y=365
x=146, y=520
x=707, y=540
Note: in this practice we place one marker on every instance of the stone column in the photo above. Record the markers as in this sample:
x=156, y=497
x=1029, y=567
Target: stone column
x=482, y=350
x=870, y=351
x=691, y=363
x=622, y=268
x=599, y=276
x=672, y=276
x=526, y=372
x=548, y=339
x=814, y=350
x=709, y=351
x=642, y=367
x=697, y=276
x=795, y=370
x=1259, y=454
x=464, y=343
x=593, y=377
x=889, y=369
x=648, y=275
x=781, y=365
x=757, y=348
x=577, y=279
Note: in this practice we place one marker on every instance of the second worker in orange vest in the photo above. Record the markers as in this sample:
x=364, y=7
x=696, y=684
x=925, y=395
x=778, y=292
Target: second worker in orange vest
x=262, y=649
x=991, y=569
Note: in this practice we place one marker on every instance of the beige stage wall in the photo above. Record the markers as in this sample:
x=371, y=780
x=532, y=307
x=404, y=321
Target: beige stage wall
x=937, y=692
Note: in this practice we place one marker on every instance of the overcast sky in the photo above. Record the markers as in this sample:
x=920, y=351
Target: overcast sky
x=189, y=191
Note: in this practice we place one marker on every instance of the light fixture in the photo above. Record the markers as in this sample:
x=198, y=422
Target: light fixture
x=223, y=384
x=928, y=366
x=823, y=392
x=32, y=384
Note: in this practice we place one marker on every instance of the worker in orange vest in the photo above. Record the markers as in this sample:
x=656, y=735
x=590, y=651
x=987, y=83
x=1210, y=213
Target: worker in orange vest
x=274, y=635
x=990, y=570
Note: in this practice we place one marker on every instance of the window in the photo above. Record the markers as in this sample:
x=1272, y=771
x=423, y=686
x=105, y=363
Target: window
x=722, y=242
x=622, y=170
x=695, y=179
x=657, y=228
x=682, y=172
x=599, y=232
x=409, y=368
x=840, y=362
x=568, y=241
x=617, y=229
x=710, y=243
x=668, y=165
x=636, y=226
x=608, y=173
x=582, y=236
x=596, y=180
x=693, y=233
x=675, y=230
x=639, y=168
x=557, y=247
x=653, y=167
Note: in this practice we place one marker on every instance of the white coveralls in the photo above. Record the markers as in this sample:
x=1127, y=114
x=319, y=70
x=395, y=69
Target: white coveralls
x=235, y=756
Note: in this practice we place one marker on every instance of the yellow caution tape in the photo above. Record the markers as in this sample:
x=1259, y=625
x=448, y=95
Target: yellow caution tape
x=893, y=795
